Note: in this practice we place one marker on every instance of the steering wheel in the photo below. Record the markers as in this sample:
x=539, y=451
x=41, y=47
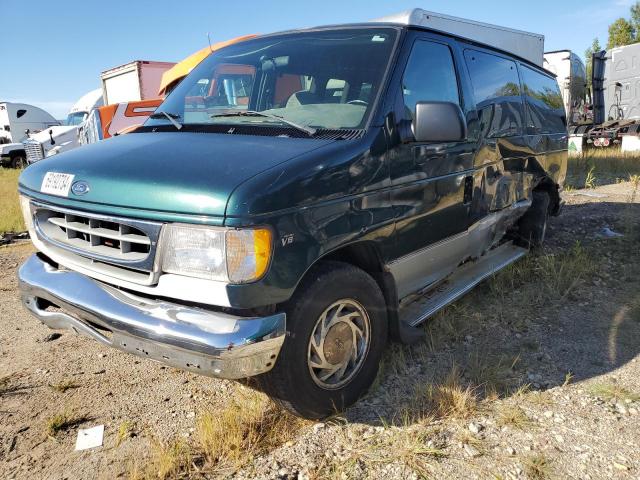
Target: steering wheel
x=358, y=102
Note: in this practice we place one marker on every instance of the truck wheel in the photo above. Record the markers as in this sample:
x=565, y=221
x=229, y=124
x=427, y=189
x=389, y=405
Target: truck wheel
x=532, y=226
x=18, y=162
x=336, y=334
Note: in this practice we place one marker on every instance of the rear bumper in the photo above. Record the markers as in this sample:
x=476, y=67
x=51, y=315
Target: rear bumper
x=189, y=338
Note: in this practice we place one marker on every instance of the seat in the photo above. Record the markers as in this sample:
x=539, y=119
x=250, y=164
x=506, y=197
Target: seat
x=303, y=97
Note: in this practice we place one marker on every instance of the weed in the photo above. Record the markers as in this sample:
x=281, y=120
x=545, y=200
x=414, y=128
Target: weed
x=62, y=421
x=250, y=425
x=125, y=430
x=537, y=467
x=567, y=379
x=494, y=374
x=610, y=391
x=11, y=218
x=513, y=416
x=590, y=181
x=449, y=399
x=64, y=385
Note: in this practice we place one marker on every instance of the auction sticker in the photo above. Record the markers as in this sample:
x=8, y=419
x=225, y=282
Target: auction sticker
x=57, y=183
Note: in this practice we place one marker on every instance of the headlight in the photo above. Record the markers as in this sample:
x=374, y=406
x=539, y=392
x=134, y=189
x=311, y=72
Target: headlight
x=229, y=255
x=26, y=213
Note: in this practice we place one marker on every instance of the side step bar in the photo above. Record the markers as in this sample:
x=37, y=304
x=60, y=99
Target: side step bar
x=459, y=283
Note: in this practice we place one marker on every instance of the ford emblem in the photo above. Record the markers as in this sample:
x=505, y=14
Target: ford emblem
x=80, y=188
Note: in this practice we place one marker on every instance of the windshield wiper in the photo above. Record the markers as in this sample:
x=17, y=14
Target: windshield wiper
x=252, y=113
x=172, y=117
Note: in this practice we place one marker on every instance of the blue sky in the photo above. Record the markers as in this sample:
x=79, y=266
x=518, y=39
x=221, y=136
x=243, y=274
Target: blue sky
x=52, y=52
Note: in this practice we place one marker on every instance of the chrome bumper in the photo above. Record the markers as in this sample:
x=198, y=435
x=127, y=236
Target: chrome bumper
x=194, y=339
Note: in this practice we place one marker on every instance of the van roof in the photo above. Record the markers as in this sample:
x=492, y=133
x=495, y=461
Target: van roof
x=526, y=46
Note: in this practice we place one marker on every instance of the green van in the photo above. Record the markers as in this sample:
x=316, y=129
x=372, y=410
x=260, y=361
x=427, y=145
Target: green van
x=297, y=201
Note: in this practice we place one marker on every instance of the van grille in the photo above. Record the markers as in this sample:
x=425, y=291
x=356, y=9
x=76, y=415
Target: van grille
x=128, y=244
x=34, y=150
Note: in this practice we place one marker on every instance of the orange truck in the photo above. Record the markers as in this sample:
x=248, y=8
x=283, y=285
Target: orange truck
x=125, y=114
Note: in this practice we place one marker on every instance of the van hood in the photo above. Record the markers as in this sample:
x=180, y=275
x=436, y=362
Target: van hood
x=173, y=172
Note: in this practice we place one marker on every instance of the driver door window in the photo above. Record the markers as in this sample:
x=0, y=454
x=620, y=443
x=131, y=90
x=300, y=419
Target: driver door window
x=430, y=76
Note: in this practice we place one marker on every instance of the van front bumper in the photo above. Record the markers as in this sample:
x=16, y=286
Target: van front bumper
x=195, y=339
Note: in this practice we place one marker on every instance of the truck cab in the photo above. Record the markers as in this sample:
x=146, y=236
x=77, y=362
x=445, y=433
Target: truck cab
x=299, y=200
x=16, y=119
x=61, y=138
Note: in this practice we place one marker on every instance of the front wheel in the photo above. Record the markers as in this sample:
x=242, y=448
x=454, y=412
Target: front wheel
x=18, y=162
x=337, y=331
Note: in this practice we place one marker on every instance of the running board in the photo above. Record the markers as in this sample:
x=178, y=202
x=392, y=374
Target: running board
x=459, y=283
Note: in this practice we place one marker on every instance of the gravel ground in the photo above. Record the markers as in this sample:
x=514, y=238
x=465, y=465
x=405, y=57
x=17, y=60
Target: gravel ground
x=577, y=353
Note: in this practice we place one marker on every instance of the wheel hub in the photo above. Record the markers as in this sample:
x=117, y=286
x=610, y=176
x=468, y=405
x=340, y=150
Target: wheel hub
x=338, y=343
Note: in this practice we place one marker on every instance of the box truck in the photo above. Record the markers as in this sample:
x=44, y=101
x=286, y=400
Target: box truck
x=133, y=81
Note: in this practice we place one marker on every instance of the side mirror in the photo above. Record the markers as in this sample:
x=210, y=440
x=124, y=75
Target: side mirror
x=53, y=142
x=439, y=122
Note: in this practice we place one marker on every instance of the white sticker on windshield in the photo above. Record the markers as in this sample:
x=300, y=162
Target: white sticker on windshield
x=56, y=183
x=378, y=38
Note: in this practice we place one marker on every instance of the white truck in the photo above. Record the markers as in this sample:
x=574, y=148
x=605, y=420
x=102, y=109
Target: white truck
x=60, y=138
x=571, y=76
x=133, y=81
x=15, y=120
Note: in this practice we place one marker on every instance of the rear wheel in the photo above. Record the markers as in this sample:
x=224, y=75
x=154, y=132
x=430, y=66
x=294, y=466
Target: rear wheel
x=532, y=227
x=337, y=330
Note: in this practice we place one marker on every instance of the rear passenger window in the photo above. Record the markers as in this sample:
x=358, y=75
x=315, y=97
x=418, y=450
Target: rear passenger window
x=545, y=110
x=496, y=87
x=430, y=76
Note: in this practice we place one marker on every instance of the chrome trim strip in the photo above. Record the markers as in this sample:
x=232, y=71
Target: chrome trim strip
x=194, y=339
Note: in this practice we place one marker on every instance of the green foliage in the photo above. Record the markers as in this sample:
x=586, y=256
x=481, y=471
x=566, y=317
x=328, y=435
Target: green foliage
x=621, y=32
x=594, y=48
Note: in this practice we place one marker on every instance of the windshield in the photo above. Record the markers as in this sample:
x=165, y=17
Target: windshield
x=322, y=79
x=75, y=118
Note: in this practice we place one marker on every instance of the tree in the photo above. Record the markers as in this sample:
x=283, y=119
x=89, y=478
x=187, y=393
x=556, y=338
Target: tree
x=621, y=33
x=635, y=19
x=594, y=48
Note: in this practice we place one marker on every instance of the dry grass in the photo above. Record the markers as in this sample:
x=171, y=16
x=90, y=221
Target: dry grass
x=599, y=167
x=167, y=461
x=513, y=416
x=61, y=422
x=537, y=467
x=449, y=399
x=11, y=218
x=611, y=391
x=251, y=425
x=413, y=446
x=225, y=441
x=125, y=430
x=64, y=385
x=540, y=280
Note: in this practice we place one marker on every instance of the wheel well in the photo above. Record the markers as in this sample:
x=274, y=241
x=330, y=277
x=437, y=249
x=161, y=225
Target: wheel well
x=549, y=186
x=363, y=255
x=367, y=257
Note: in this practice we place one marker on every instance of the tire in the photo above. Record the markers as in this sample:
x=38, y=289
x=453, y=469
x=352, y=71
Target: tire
x=532, y=226
x=294, y=382
x=18, y=162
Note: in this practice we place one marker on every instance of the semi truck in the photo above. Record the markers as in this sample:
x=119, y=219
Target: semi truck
x=60, y=138
x=615, y=102
x=16, y=119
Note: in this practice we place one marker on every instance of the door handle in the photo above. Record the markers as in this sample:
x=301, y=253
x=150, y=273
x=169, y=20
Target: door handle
x=468, y=190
